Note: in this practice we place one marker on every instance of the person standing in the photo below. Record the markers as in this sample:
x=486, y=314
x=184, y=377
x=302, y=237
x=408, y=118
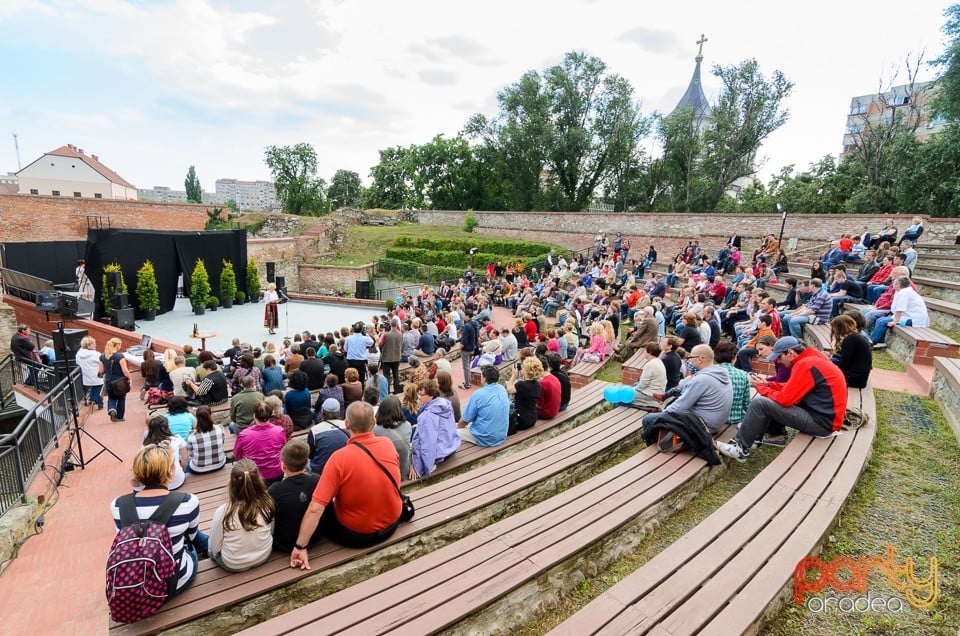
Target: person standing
x=469, y=339
x=391, y=343
x=24, y=350
x=88, y=359
x=113, y=366
x=355, y=348
x=271, y=313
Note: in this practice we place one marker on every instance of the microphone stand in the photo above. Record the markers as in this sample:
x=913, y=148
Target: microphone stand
x=286, y=309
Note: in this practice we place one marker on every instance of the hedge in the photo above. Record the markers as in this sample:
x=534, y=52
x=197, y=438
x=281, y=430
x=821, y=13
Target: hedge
x=499, y=249
x=406, y=270
x=452, y=259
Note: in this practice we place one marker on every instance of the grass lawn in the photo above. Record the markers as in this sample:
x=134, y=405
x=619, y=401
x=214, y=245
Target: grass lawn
x=364, y=244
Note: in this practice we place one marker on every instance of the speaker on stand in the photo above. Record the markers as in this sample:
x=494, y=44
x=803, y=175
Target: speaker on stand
x=363, y=289
x=122, y=318
x=271, y=272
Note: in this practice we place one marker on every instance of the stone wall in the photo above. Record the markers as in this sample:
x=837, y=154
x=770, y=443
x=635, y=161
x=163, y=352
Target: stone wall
x=38, y=218
x=575, y=230
x=326, y=278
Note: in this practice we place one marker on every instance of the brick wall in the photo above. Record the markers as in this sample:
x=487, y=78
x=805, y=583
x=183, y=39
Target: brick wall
x=37, y=218
x=321, y=278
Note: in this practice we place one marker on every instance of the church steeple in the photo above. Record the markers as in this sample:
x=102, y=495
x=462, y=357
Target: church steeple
x=694, y=98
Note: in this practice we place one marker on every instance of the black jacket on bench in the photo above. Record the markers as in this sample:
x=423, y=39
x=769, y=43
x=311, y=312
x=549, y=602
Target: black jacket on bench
x=689, y=428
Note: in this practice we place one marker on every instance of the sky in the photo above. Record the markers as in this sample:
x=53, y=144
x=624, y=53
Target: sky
x=152, y=87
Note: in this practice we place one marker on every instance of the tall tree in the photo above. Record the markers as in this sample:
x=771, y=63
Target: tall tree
x=192, y=185
x=392, y=187
x=559, y=136
x=948, y=101
x=294, y=170
x=344, y=190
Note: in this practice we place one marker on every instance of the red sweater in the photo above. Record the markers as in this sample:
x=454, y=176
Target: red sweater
x=815, y=385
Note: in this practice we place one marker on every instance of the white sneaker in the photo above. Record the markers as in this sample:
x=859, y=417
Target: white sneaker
x=733, y=450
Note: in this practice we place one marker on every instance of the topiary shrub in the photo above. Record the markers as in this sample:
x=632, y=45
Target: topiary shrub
x=469, y=221
x=199, y=285
x=228, y=282
x=148, y=294
x=253, y=280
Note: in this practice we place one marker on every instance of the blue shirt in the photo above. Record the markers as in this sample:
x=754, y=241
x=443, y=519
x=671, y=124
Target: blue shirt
x=382, y=384
x=355, y=346
x=488, y=412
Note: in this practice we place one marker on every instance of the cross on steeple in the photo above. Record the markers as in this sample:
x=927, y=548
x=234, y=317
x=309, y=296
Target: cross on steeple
x=703, y=38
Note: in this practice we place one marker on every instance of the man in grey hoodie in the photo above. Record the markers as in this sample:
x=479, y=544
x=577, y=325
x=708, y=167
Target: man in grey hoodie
x=708, y=394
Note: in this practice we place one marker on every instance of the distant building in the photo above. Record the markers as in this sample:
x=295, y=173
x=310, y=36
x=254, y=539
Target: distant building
x=162, y=194
x=694, y=98
x=257, y=196
x=68, y=172
x=881, y=108
x=9, y=184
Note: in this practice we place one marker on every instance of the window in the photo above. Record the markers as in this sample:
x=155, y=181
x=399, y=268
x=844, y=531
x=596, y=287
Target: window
x=55, y=193
x=97, y=196
x=854, y=128
x=77, y=194
x=34, y=191
x=901, y=100
x=856, y=108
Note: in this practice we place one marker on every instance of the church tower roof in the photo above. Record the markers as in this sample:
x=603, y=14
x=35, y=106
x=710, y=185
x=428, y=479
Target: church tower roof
x=694, y=98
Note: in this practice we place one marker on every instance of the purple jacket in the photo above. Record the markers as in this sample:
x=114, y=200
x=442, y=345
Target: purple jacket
x=436, y=436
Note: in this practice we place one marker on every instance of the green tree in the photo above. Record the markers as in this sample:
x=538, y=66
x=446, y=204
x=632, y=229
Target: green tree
x=344, y=190
x=948, y=101
x=232, y=204
x=199, y=285
x=228, y=282
x=253, y=280
x=192, y=185
x=560, y=135
x=392, y=187
x=294, y=170
x=148, y=294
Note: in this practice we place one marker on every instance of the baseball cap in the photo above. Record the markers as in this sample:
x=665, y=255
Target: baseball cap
x=782, y=345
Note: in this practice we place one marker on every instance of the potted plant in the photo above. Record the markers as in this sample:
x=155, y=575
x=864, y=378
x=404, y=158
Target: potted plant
x=240, y=298
x=148, y=294
x=111, y=274
x=199, y=288
x=212, y=303
x=390, y=303
x=253, y=281
x=228, y=284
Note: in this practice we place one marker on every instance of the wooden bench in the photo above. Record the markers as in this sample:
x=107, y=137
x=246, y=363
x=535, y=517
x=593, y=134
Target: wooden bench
x=633, y=368
x=920, y=345
x=721, y=577
x=504, y=367
x=582, y=373
x=818, y=337
x=446, y=511
x=945, y=389
x=494, y=578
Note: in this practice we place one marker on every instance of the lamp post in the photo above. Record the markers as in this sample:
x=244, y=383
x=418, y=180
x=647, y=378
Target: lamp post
x=783, y=223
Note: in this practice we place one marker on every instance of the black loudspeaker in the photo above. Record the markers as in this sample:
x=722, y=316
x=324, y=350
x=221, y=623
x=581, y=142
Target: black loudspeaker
x=121, y=301
x=113, y=279
x=122, y=318
x=271, y=271
x=281, y=283
x=67, y=344
x=363, y=289
x=68, y=305
x=48, y=300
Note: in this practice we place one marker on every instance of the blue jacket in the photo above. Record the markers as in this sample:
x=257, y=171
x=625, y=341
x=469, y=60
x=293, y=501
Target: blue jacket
x=468, y=337
x=436, y=436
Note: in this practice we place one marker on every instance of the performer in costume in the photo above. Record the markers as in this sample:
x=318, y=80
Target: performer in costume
x=270, y=313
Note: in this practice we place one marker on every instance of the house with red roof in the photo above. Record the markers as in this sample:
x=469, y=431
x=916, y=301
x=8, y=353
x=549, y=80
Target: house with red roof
x=68, y=172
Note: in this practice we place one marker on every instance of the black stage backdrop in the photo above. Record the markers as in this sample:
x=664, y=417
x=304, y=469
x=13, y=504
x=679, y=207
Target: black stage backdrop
x=55, y=261
x=172, y=253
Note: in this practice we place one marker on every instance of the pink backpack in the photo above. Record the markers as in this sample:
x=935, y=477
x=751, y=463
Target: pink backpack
x=141, y=570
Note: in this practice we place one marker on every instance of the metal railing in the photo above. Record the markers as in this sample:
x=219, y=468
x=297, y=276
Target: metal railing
x=23, y=451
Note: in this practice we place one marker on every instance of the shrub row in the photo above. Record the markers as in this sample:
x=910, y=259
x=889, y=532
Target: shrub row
x=452, y=259
x=500, y=250
x=409, y=271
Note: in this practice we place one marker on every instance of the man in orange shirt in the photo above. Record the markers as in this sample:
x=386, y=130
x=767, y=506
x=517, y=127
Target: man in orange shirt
x=366, y=503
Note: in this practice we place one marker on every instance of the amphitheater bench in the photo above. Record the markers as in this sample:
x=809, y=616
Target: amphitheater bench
x=945, y=389
x=722, y=575
x=446, y=511
x=582, y=373
x=633, y=368
x=503, y=367
x=920, y=345
x=818, y=337
x=490, y=576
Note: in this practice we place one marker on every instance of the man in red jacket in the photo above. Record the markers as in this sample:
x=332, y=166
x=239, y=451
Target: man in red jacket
x=812, y=401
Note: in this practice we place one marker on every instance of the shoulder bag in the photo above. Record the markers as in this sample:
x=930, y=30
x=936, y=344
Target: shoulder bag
x=407, y=510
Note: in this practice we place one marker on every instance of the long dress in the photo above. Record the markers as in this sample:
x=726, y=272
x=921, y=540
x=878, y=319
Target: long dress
x=270, y=311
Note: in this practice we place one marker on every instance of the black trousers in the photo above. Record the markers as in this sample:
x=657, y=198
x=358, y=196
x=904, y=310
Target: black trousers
x=392, y=368
x=360, y=366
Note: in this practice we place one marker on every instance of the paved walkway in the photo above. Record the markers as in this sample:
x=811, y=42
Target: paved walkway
x=56, y=585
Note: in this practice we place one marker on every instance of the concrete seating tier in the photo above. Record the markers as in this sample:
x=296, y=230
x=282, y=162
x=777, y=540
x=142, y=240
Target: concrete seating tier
x=731, y=572
x=221, y=602
x=938, y=288
x=582, y=373
x=920, y=345
x=491, y=580
x=945, y=389
x=940, y=271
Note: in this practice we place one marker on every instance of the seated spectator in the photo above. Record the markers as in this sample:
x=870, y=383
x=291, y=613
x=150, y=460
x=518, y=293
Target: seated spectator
x=653, y=379
x=151, y=369
x=241, y=532
x=426, y=344
x=352, y=387
x=180, y=420
x=435, y=439
x=377, y=380
x=331, y=389
x=672, y=360
x=816, y=310
x=243, y=403
x=336, y=362
x=888, y=234
x=152, y=468
x=246, y=368
x=279, y=418
x=272, y=376
x=417, y=373
x=291, y=496
x=745, y=355
x=158, y=432
x=548, y=406
x=524, y=385
x=487, y=416
x=689, y=334
x=813, y=401
x=852, y=352
x=913, y=232
x=205, y=444
x=190, y=358
x=832, y=256
x=213, y=388
x=908, y=309
x=410, y=402
x=326, y=436
x=554, y=361
x=393, y=425
x=445, y=382
x=180, y=374
x=296, y=401
x=262, y=442
x=706, y=395
x=724, y=353
x=361, y=502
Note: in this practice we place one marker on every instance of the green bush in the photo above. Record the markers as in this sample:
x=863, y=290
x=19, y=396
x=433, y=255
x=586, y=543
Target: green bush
x=503, y=249
x=228, y=281
x=406, y=270
x=107, y=290
x=390, y=303
x=453, y=259
x=253, y=281
x=470, y=221
x=148, y=295
x=199, y=285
